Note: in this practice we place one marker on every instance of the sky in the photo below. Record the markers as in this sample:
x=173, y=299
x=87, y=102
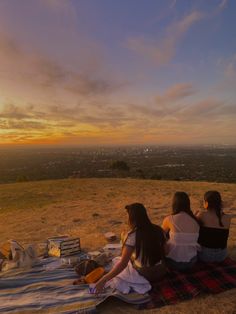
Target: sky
x=107, y=72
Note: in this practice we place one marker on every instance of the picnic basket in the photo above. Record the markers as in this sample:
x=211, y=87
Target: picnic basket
x=63, y=246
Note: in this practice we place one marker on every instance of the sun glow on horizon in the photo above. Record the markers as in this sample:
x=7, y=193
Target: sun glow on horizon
x=142, y=79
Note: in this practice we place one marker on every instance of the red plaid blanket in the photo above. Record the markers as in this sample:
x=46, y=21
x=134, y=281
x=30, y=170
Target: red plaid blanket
x=204, y=278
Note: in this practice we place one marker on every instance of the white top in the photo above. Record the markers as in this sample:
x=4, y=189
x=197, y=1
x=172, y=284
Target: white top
x=131, y=241
x=182, y=246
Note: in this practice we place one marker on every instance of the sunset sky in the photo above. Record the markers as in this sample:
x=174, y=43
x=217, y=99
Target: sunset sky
x=81, y=72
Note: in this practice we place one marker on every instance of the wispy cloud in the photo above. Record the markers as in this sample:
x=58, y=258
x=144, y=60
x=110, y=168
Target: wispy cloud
x=22, y=125
x=175, y=93
x=172, y=4
x=227, y=66
x=204, y=109
x=223, y=4
x=172, y=105
x=230, y=67
x=11, y=111
x=167, y=103
x=162, y=52
x=220, y=6
x=21, y=68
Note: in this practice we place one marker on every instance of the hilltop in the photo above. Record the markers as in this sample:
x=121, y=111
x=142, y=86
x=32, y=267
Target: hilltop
x=30, y=212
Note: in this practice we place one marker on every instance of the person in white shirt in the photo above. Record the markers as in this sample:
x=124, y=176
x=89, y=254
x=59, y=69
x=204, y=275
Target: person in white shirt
x=143, y=248
x=182, y=227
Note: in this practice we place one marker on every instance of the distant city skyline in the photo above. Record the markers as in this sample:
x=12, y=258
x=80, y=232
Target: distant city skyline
x=127, y=72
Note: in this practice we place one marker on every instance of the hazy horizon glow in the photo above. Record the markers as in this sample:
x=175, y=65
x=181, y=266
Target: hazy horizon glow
x=80, y=72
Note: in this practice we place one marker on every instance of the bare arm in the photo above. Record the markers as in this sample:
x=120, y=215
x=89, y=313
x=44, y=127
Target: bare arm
x=117, y=269
x=166, y=225
x=232, y=215
x=199, y=215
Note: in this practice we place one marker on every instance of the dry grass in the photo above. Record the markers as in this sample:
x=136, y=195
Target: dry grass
x=33, y=211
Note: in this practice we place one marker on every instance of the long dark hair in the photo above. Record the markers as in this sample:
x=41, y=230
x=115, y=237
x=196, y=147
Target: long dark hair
x=213, y=198
x=181, y=203
x=150, y=238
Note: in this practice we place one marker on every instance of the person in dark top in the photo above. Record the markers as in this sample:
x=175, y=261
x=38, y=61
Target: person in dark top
x=214, y=229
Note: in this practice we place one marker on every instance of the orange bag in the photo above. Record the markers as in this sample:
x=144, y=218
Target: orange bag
x=94, y=275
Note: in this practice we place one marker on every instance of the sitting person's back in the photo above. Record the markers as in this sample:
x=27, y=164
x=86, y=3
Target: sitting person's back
x=183, y=230
x=214, y=230
x=142, y=253
x=153, y=250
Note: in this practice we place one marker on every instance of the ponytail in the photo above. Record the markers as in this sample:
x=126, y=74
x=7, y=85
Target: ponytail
x=215, y=203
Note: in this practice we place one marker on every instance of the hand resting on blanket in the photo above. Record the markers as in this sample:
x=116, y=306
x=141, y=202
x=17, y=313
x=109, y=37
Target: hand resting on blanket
x=116, y=270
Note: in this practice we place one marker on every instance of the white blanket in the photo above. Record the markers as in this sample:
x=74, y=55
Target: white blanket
x=129, y=279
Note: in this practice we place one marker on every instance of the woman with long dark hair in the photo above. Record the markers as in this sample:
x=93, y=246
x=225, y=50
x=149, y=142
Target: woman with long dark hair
x=214, y=230
x=183, y=230
x=143, y=248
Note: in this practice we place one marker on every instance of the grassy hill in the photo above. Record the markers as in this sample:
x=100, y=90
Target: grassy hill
x=33, y=211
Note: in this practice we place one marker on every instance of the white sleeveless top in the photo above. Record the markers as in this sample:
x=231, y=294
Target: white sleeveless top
x=182, y=246
x=131, y=241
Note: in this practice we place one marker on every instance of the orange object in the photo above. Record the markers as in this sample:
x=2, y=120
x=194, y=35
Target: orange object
x=5, y=249
x=94, y=275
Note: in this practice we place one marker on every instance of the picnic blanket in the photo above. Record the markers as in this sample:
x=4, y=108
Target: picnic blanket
x=46, y=289
x=208, y=278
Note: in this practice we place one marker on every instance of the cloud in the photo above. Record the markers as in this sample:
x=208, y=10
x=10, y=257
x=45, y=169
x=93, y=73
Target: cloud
x=163, y=51
x=146, y=111
x=56, y=83
x=11, y=111
x=223, y=4
x=175, y=93
x=57, y=116
x=52, y=61
x=22, y=125
x=84, y=85
x=227, y=66
x=56, y=4
x=165, y=104
x=25, y=69
x=184, y=114
x=230, y=67
x=202, y=110
x=172, y=4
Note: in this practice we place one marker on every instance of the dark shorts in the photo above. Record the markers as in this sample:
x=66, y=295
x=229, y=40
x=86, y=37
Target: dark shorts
x=182, y=266
x=152, y=273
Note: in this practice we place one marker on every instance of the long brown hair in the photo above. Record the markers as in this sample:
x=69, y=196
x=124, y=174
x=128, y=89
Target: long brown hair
x=213, y=198
x=181, y=203
x=150, y=238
